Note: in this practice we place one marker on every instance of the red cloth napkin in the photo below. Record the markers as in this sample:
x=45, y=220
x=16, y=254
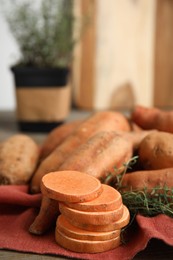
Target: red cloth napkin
x=18, y=209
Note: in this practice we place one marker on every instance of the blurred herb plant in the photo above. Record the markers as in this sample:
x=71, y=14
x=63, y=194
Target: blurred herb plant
x=44, y=34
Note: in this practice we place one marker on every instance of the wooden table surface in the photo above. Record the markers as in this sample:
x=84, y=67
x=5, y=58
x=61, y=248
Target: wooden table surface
x=156, y=249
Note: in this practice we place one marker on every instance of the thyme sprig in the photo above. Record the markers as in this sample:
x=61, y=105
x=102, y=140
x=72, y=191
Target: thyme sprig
x=149, y=203
x=158, y=200
x=118, y=173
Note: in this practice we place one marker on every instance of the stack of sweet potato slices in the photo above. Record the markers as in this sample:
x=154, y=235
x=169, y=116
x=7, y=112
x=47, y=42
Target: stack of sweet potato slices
x=92, y=214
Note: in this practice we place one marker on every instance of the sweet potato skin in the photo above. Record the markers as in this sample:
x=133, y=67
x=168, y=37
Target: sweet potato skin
x=19, y=156
x=153, y=118
x=156, y=151
x=148, y=179
x=99, y=121
x=46, y=217
x=136, y=137
x=99, y=155
x=57, y=136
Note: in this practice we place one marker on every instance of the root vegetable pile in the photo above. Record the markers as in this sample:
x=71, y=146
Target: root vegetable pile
x=99, y=121
x=100, y=147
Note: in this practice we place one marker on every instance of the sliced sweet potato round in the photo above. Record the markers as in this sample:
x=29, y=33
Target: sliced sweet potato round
x=88, y=217
x=109, y=199
x=71, y=186
x=85, y=246
x=119, y=224
x=69, y=230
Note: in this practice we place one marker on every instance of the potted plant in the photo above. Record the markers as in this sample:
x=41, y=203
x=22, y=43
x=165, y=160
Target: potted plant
x=44, y=36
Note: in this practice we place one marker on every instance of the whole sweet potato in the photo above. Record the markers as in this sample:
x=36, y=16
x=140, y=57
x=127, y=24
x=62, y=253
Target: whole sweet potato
x=148, y=179
x=99, y=155
x=95, y=123
x=153, y=118
x=57, y=136
x=156, y=151
x=18, y=159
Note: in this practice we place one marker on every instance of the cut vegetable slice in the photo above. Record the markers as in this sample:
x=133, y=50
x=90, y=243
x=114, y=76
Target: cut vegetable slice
x=85, y=246
x=109, y=199
x=88, y=217
x=64, y=226
x=71, y=186
x=119, y=224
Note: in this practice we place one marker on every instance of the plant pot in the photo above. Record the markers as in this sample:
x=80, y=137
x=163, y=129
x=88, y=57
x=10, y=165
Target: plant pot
x=43, y=97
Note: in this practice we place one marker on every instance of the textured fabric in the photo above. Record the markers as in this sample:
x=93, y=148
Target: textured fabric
x=18, y=209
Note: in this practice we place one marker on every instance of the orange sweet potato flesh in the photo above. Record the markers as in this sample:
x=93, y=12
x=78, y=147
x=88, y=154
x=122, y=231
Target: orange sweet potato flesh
x=109, y=199
x=153, y=118
x=99, y=155
x=77, y=189
x=57, y=136
x=116, y=225
x=148, y=179
x=72, y=186
x=64, y=226
x=99, y=121
x=92, y=217
x=86, y=246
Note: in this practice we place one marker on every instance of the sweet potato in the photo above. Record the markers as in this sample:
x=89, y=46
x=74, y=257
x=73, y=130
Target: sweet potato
x=57, y=136
x=148, y=179
x=91, y=217
x=71, y=186
x=109, y=199
x=19, y=156
x=156, y=151
x=85, y=246
x=75, y=188
x=153, y=118
x=135, y=127
x=119, y=224
x=64, y=226
x=136, y=137
x=99, y=121
x=99, y=155
x=46, y=218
